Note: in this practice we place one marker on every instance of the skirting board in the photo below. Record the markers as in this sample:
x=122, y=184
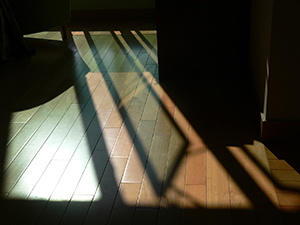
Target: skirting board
x=113, y=14
x=280, y=130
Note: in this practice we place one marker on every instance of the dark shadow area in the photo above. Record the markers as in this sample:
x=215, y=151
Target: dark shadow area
x=220, y=107
x=45, y=83
x=230, y=118
x=27, y=83
x=213, y=35
x=30, y=89
x=203, y=50
x=130, y=39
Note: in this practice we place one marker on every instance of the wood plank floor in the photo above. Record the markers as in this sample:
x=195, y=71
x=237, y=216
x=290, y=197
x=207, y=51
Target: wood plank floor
x=90, y=136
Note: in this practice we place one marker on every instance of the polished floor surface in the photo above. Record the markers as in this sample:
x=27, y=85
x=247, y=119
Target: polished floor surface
x=90, y=136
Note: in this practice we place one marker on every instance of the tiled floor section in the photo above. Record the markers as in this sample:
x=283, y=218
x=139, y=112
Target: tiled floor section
x=93, y=138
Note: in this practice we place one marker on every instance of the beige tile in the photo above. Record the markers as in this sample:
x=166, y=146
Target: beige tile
x=196, y=167
x=148, y=198
x=107, y=140
x=174, y=188
x=288, y=198
x=135, y=167
x=157, y=159
x=218, y=195
x=285, y=175
x=195, y=196
x=124, y=143
x=279, y=165
x=151, y=108
x=116, y=118
x=164, y=121
x=100, y=93
x=133, y=119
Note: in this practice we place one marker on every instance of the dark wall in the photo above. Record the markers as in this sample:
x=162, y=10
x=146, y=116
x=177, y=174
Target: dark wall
x=260, y=43
x=275, y=56
x=202, y=38
x=284, y=80
x=111, y=4
x=40, y=15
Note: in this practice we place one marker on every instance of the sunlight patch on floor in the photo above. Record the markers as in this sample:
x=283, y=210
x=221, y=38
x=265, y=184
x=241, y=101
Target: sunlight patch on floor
x=107, y=102
x=46, y=35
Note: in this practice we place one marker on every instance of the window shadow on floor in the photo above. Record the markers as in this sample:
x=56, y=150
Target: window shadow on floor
x=221, y=111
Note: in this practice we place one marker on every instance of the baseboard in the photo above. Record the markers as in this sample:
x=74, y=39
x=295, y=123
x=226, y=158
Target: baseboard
x=280, y=131
x=113, y=14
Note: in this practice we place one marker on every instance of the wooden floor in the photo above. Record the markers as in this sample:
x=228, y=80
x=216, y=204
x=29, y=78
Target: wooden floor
x=90, y=136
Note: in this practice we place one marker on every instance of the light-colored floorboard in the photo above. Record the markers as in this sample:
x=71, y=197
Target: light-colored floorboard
x=93, y=138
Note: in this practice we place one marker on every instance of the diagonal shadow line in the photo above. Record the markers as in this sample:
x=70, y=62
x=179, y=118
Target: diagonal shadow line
x=266, y=172
x=131, y=130
x=146, y=42
x=238, y=173
x=223, y=156
x=153, y=176
x=92, y=125
x=90, y=119
x=88, y=115
x=122, y=110
x=87, y=121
